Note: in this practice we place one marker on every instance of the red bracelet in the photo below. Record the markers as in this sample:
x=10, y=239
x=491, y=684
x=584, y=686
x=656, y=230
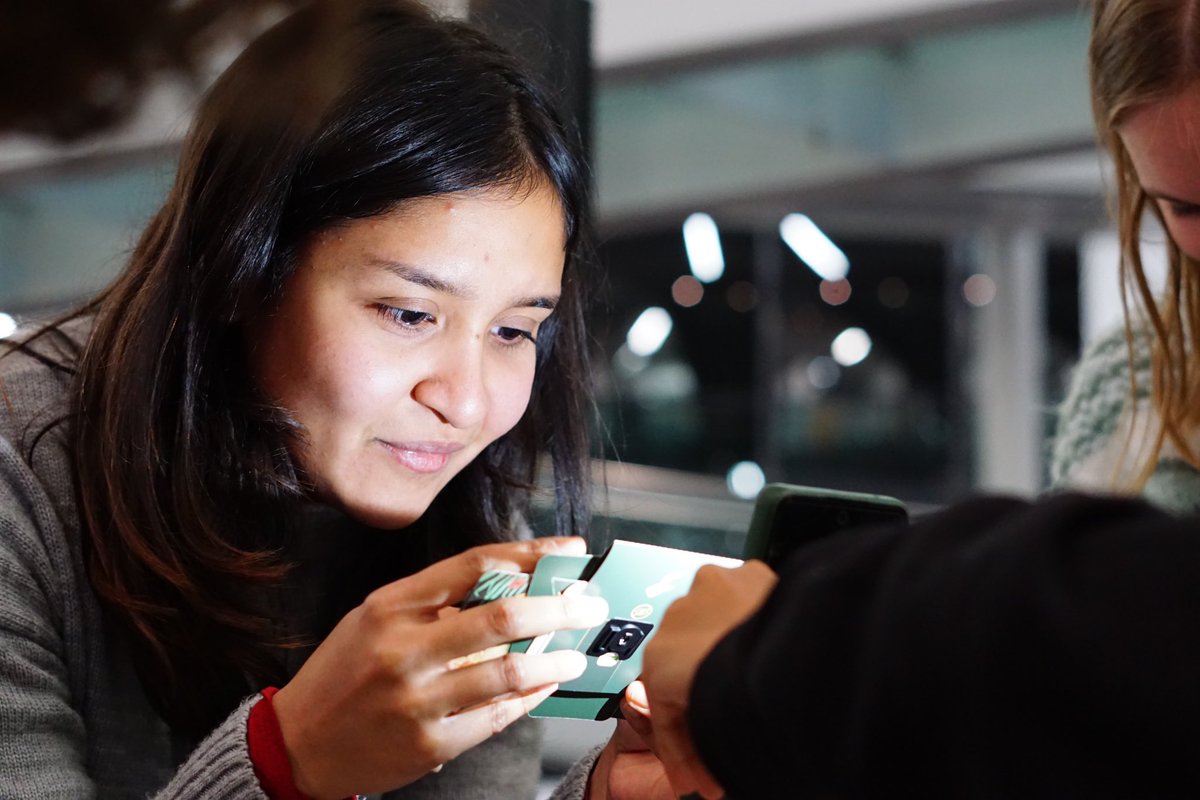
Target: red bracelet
x=268, y=755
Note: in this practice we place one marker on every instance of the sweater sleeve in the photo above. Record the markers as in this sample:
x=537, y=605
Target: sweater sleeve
x=998, y=649
x=574, y=784
x=220, y=768
x=44, y=738
x=1092, y=431
x=45, y=750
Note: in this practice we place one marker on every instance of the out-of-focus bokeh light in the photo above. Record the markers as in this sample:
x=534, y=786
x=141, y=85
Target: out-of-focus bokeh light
x=670, y=381
x=702, y=241
x=741, y=296
x=850, y=347
x=687, y=291
x=823, y=373
x=628, y=361
x=649, y=331
x=745, y=479
x=979, y=290
x=814, y=248
x=835, y=292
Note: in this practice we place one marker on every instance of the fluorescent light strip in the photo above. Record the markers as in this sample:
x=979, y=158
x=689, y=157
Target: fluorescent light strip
x=814, y=248
x=702, y=241
x=649, y=331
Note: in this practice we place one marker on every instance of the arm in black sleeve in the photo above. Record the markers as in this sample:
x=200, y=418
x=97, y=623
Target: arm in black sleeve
x=996, y=649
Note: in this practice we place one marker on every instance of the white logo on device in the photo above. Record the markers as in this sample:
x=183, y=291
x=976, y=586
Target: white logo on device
x=665, y=585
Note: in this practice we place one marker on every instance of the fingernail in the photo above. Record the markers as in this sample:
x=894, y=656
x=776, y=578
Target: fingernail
x=565, y=542
x=574, y=663
x=588, y=609
x=635, y=693
x=575, y=544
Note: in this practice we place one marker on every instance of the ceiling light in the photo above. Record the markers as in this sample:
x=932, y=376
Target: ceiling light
x=649, y=331
x=814, y=248
x=702, y=241
x=851, y=346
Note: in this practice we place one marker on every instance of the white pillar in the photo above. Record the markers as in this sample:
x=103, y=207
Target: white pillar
x=1099, y=278
x=1008, y=342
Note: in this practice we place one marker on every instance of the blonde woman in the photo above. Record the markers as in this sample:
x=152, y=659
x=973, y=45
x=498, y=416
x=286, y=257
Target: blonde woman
x=1131, y=421
x=999, y=648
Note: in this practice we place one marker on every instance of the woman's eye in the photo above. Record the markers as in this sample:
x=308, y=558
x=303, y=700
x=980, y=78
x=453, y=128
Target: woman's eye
x=406, y=316
x=514, y=335
x=1184, y=209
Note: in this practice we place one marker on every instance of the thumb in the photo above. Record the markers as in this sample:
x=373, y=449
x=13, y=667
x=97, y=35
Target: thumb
x=635, y=696
x=635, y=711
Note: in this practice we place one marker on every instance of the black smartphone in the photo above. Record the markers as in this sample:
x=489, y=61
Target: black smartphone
x=787, y=517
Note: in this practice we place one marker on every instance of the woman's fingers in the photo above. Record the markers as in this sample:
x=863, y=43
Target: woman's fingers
x=511, y=673
x=447, y=582
x=512, y=619
x=635, y=710
x=473, y=725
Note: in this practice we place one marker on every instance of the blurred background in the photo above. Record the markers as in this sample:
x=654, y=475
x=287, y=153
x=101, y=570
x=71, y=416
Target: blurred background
x=855, y=244
x=849, y=243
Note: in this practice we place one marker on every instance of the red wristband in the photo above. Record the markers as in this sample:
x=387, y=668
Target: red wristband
x=268, y=755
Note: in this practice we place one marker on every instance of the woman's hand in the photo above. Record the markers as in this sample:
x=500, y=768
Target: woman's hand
x=718, y=601
x=378, y=704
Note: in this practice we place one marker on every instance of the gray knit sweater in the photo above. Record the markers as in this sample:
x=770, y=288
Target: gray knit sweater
x=1100, y=442
x=74, y=721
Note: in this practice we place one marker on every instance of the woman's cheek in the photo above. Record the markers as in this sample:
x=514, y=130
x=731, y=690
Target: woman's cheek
x=510, y=401
x=1186, y=233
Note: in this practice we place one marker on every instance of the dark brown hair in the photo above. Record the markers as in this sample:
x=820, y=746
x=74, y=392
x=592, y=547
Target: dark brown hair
x=1145, y=51
x=344, y=110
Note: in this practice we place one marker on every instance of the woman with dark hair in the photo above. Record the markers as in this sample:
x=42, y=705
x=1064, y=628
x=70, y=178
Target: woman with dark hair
x=358, y=311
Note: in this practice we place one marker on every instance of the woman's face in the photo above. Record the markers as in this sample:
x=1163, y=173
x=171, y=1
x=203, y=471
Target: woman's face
x=404, y=344
x=1163, y=140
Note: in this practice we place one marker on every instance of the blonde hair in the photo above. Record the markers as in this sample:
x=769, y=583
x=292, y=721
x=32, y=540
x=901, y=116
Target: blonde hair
x=1141, y=52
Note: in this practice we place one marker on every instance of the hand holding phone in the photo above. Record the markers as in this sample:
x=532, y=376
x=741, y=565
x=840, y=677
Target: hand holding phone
x=787, y=517
x=638, y=581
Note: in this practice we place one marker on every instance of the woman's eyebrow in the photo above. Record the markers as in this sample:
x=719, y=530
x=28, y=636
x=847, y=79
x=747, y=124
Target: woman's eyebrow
x=548, y=303
x=419, y=276
x=423, y=277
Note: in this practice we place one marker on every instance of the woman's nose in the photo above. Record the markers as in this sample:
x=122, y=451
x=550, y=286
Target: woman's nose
x=455, y=390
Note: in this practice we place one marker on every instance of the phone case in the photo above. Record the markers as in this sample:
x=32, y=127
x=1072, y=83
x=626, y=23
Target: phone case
x=639, y=581
x=812, y=513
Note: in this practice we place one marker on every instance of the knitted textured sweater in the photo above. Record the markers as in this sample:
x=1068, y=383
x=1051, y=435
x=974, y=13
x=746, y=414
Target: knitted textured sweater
x=1100, y=441
x=74, y=720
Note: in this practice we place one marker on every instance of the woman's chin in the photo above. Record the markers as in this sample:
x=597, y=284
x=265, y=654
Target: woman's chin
x=382, y=517
x=385, y=519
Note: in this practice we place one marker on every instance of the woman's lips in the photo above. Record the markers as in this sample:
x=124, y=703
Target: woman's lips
x=422, y=457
